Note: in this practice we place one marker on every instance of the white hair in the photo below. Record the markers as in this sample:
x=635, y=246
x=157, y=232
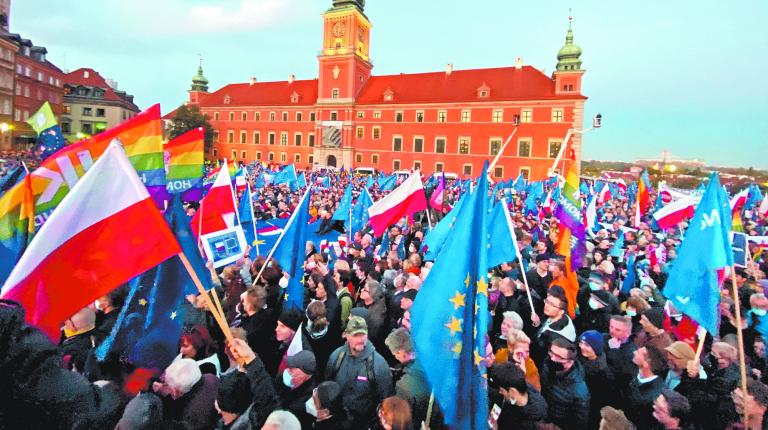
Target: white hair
x=415, y=282
x=182, y=375
x=514, y=319
x=281, y=420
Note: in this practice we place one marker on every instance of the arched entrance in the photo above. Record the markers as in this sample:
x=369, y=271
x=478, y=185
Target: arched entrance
x=331, y=161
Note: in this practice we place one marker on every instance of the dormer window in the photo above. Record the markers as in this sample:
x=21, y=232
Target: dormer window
x=389, y=95
x=484, y=91
x=295, y=97
x=227, y=99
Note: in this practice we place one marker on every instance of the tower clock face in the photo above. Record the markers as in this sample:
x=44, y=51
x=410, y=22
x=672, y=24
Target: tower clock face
x=339, y=29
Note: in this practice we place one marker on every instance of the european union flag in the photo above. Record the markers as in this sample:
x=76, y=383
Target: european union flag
x=260, y=182
x=502, y=244
x=267, y=233
x=436, y=239
x=285, y=176
x=385, y=245
x=360, y=212
x=345, y=205
x=49, y=136
x=369, y=181
x=245, y=210
x=693, y=285
x=387, y=183
x=302, y=182
x=450, y=318
x=290, y=253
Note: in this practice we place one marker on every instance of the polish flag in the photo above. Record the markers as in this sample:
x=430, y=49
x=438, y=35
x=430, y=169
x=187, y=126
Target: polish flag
x=761, y=241
x=739, y=200
x=241, y=179
x=763, y=209
x=218, y=208
x=674, y=213
x=404, y=200
x=590, y=214
x=604, y=196
x=622, y=185
x=106, y=231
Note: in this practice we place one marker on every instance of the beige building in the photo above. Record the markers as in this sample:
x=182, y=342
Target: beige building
x=93, y=104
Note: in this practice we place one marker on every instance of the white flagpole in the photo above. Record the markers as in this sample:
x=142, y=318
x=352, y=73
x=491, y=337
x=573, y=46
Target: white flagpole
x=519, y=256
x=253, y=217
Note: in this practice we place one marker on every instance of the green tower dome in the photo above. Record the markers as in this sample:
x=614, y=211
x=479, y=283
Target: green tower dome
x=199, y=82
x=568, y=57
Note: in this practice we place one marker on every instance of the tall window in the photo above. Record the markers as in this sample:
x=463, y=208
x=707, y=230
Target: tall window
x=334, y=116
x=312, y=116
x=495, y=145
x=442, y=116
x=524, y=148
x=215, y=116
x=272, y=116
x=498, y=115
x=283, y=157
x=417, y=165
x=526, y=172
x=243, y=137
x=297, y=158
x=440, y=145
x=87, y=111
x=420, y=116
x=311, y=159
x=258, y=155
x=230, y=136
x=297, y=139
x=377, y=132
x=335, y=93
x=257, y=116
x=557, y=115
x=398, y=117
x=377, y=114
x=554, y=147
x=498, y=172
x=271, y=156
x=438, y=167
x=360, y=133
x=234, y=154
x=396, y=165
x=231, y=116
x=375, y=159
x=526, y=115
x=311, y=139
x=256, y=138
x=285, y=116
x=271, y=137
x=284, y=138
x=358, y=158
x=298, y=117
x=418, y=144
x=397, y=144
x=243, y=154
x=467, y=169
x=244, y=116
x=464, y=145
x=466, y=115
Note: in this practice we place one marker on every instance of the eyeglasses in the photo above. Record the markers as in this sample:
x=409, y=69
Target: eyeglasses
x=552, y=303
x=559, y=358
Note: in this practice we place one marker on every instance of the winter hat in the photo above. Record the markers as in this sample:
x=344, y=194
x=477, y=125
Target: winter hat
x=594, y=339
x=234, y=395
x=542, y=257
x=681, y=350
x=143, y=412
x=410, y=294
x=328, y=393
x=291, y=318
x=655, y=316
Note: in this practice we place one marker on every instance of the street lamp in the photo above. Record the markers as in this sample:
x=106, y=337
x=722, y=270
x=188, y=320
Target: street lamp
x=597, y=122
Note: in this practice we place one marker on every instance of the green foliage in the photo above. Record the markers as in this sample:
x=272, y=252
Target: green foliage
x=189, y=117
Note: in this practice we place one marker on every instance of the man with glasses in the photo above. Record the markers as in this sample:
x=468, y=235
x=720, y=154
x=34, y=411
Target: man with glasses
x=557, y=325
x=563, y=386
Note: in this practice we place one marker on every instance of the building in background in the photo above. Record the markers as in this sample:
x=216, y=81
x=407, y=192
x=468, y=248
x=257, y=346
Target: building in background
x=8, y=51
x=93, y=104
x=451, y=121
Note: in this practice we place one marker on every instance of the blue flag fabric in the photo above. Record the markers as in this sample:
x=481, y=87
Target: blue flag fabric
x=450, y=318
x=388, y=184
x=11, y=179
x=285, y=176
x=50, y=140
x=535, y=191
x=178, y=220
x=629, y=282
x=245, y=211
x=260, y=182
x=316, y=238
x=384, y=248
x=435, y=239
x=360, y=211
x=369, y=182
x=290, y=253
x=302, y=182
x=755, y=196
x=520, y=184
x=268, y=231
x=693, y=281
x=324, y=182
x=345, y=205
x=501, y=248
x=617, y=250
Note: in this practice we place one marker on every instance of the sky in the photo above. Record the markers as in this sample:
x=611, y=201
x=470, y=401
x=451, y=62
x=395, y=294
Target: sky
x=687, y=76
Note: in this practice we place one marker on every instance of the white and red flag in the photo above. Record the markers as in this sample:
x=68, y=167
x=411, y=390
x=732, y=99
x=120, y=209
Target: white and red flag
x=106, y=231
x=674, y=213
x=218, y=208
x=405, y=200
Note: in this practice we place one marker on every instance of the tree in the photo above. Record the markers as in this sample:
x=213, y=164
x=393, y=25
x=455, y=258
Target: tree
x=189, y=117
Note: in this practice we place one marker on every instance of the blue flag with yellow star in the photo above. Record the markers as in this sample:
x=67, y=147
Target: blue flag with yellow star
x=435, y=239
x=360, y=212
x=290, y=252
x=450, y=317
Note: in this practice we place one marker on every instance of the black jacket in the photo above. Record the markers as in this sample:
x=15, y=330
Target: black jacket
x=526, y=417
x=640, y=398
x=294, y=400
x=567, y=396
x=37, y=392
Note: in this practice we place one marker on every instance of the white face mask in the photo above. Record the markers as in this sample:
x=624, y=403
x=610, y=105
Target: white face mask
x=759, y=312
x=594, y=304
x=310, y=407
x=98, y=305
x=287, y=380
x=283, y=283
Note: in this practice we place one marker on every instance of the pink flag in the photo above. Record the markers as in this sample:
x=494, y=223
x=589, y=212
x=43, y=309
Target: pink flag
x=436, y=201
x=404, y=200
x=106, y=231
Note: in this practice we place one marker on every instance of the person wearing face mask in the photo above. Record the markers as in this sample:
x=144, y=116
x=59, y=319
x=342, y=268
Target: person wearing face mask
x=596, y=304
x=597, y=375
x=522, y=406
x=295, y=385
x=327, y=408
x=564, y=388
x=757, y=320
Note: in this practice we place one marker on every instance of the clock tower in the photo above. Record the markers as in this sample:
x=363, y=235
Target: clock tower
x=344, y=61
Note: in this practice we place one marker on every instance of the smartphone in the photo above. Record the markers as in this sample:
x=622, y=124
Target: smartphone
x=493, y=417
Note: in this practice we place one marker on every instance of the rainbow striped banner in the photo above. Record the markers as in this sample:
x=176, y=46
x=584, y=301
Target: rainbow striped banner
x=17, y=225
x=184, y=164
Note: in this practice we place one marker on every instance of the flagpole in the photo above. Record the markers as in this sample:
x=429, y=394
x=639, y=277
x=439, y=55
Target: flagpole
x=428, y=419
x=519, y=257
x=740, y=335
x=280, y=238
x=501, y=151
x=429, y=220
x=253, y=218
x=234, y=198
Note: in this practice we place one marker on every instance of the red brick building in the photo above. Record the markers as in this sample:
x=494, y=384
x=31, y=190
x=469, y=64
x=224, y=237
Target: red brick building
x=451, y=121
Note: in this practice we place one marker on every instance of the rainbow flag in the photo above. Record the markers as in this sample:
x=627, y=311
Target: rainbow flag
x=572, y=235
x=736, y=224
x=184, y=164
x=17, y=224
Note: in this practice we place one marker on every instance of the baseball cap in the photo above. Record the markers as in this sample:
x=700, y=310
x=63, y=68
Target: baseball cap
x=303, y=360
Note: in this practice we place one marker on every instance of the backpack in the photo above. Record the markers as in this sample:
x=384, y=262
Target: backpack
x=369, y=371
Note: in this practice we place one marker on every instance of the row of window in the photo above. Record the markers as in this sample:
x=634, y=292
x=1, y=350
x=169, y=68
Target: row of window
x=26, y=91
x=270, y=156
x=298, y=138
x=86, y=128
x=28, y=72
x=88, y=111
x=497, y=116
x=524, y=146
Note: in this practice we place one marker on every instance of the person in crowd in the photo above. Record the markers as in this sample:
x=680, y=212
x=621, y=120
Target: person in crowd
x=522, y=406
x=296, y=385
x=614, y=419
x=646, y=386
x=597, y=375
x=346, y=302
x=107, y=309
x=620, y=355
x=557, y=325
x=287, y=326
x=281, y=420
x=672, y=410
x=372, y=297
x=596, y=304
x=316, y=336
x=259, y=323
x=679, y=354
x=395, y=414
x=563, y=386
x=753, y=403
x=197, y=344
x=233, y=399
x=361, y=372
x=79, y=338
x=711, y=397
x=652, y=333
x=518, y=353
x=188, y=395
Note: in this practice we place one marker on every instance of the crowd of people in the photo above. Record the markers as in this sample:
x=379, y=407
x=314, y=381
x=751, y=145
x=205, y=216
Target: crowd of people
x=621, y=357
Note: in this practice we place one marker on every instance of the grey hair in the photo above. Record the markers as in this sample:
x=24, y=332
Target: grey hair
x=515, y=320
x=182, y=375
x=281, y=420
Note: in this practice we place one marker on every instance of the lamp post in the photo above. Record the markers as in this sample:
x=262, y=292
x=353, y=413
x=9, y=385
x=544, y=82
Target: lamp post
x=516, y=123
x=597, y=122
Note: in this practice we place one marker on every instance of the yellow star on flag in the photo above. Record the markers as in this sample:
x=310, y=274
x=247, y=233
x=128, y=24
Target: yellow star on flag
x=482, y=287
x=173, y=315
x=478, y=358
x=454, y=325
x=466, y=281
x=456, y=348
x=142, y=302
x=458, y=300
